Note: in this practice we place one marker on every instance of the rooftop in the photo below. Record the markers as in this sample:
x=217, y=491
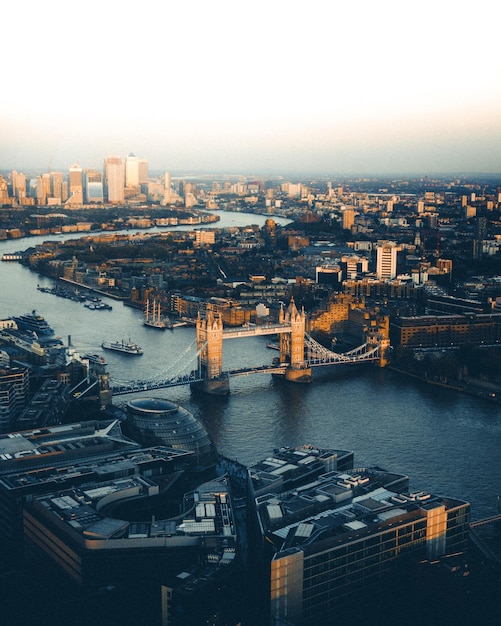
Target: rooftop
x=80, y=512
x=58, y=443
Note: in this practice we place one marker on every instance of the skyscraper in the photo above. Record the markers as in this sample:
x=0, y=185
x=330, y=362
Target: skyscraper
x=58, y=187
x=143, y=171
x=93, y=187
x=114, y=178
x=76, y=186
x=18, y=185
x=131, y=171
x=386, y=262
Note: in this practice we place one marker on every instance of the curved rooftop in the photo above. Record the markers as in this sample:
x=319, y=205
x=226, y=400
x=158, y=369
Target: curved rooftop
x=155, y=421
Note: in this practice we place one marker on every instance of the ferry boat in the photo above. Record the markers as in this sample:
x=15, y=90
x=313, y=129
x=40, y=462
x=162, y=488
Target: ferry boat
x=153, y=317
x=126, y=347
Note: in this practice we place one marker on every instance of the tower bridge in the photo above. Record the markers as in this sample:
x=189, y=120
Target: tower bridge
x=298, y=354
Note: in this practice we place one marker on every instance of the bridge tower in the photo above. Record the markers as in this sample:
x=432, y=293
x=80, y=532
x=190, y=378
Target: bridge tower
x=292, y=345
x=210, y=342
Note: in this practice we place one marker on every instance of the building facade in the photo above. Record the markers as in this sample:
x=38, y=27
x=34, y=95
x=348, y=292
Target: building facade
x=114, y=180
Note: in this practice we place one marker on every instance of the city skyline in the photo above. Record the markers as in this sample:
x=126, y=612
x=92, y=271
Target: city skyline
x=368, y=89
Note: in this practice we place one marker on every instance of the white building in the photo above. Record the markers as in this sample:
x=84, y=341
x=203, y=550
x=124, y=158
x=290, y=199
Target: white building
x=386, y=260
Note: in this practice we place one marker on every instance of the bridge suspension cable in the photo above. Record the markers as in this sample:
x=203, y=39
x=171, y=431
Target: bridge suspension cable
x=316, y=354
x=172, y=376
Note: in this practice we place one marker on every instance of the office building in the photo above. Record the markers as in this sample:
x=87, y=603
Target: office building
x=94, y=193
x=446, y=331
x=348, y=218
x=386, y=259
x=132, y=171
x=34, y=462
x=58, y=187
x=14, y=390
x=114, y=180
x=143, y=171
x=18, y=185
x=76, y=186
x=182, y=568
x=329, y=543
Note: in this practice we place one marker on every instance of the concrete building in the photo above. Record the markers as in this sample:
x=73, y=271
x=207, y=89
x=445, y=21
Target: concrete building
x=76, y=186
x=18, y=185
x=105, y=454
x=386, y=259
x=188, y=559
x=94, y=192
x=14, y=390
x=446, y=331
x=114, y=180
x=329, y=543
x=132, y=171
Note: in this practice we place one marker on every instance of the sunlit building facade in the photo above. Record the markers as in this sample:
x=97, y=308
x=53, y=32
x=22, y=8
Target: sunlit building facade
x=330, y=542
x=94, y=193
x=76, y=186
x=386, y=259
x=114, y=180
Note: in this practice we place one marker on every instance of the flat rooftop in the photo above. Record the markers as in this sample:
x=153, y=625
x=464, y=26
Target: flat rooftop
x=81, y=511
x=85, y=469
x=57, y=443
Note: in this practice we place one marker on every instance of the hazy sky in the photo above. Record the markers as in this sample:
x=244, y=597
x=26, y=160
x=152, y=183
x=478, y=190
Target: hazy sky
x=315, y=86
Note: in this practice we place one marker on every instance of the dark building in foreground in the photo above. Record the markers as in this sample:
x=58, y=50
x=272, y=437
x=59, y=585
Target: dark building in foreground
x=37, y=461
x=329, y=543
x=189, y=558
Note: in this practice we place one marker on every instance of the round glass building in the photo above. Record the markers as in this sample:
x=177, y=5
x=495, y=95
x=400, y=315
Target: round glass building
x=155, y=422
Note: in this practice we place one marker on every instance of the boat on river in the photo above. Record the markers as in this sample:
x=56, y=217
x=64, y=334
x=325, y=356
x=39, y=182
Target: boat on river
x=35, y=323
x=153, y=316
x=125, y=347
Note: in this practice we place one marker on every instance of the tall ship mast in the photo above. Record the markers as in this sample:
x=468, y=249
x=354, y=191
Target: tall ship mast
x=153, y=316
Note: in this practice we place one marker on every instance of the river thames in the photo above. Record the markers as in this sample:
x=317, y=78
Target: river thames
x=448, y=443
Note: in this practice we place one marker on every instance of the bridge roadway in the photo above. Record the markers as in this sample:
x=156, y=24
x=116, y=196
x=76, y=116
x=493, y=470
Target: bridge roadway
x=137, y=386
x=251, y=330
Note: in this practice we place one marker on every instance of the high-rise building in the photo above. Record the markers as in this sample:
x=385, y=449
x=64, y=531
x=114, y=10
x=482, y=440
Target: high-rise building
x=168, y=191
x=114, y=179
x=14, y=388
x=40, y=191
x=348, y=218
x=58, y=188
x=93, y=187
x=18, y=185
x=386, y=260
x=76, y=186
x=131, y=171
x=143, y=171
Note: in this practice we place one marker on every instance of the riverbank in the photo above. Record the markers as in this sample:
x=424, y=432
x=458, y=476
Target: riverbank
x=473, y=387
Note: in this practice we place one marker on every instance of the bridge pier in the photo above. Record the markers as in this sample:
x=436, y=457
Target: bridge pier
x=212, y=386
x=298, y=375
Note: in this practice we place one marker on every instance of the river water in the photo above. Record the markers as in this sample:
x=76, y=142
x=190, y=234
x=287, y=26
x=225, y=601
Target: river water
x=448, y=443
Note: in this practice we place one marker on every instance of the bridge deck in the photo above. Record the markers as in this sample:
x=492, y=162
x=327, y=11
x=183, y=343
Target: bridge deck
x=252, y=330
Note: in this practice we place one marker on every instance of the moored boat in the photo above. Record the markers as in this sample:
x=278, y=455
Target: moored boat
x=153, y=316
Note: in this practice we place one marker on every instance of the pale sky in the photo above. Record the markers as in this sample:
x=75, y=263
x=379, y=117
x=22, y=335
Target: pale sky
x=318, y=86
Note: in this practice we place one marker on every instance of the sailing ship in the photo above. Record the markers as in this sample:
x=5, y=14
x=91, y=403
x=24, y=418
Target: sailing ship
x=153, y=316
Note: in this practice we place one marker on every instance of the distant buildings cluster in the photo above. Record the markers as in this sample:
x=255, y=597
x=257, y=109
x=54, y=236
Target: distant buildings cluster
x=120, y=181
